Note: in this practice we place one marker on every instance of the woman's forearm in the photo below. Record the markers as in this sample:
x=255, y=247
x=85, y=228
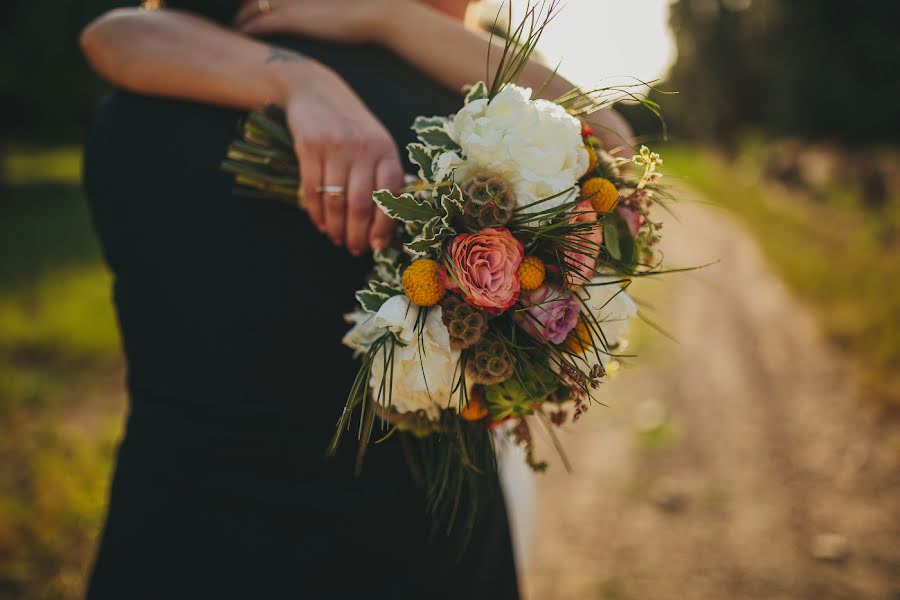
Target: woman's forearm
x=175, y=54
x=455, y=56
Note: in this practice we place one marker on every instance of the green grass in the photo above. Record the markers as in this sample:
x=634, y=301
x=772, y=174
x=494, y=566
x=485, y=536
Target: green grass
x=60, y=379
x=841, y=258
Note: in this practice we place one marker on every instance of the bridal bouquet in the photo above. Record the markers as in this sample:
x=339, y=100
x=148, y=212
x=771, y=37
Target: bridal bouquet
x=503, y=301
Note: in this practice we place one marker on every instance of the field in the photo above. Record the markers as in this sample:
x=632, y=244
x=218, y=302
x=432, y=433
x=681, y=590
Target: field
x=61, y=399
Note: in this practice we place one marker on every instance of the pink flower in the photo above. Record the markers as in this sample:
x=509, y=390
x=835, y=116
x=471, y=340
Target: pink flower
x=549, y=315
x=632, y=218
x=483, y=268
x=580, y=264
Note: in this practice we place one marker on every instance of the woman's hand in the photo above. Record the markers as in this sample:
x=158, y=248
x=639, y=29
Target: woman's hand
x=335, y=20
x=340, y=144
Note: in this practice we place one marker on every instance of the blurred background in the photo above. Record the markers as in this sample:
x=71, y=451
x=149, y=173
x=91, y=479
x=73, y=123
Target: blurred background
x=756, y=457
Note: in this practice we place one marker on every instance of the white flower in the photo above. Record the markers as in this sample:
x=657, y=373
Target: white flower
x=534, y=144
x=424, y=371
x=611, y=307
x=364, y=332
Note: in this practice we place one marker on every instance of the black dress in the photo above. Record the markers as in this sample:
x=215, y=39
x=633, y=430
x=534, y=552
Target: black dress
x=231, y=318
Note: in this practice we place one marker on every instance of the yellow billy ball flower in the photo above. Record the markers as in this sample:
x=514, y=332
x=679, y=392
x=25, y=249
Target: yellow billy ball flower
x=592, y=158
x=421, y=283
x=579, y=339
x=531, y=273
x=601, y=192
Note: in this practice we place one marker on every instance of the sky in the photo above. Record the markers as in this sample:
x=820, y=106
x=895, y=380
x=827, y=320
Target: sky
x=598, y=39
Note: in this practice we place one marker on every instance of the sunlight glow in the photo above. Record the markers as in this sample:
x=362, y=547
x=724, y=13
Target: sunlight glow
x=600, y=39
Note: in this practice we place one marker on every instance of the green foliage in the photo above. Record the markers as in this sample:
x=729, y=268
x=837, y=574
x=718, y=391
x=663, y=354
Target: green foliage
x=842, y=258
x=791, y=67
x=422, y=157
x=60, y=381
x=517, y=396
x=405, y=207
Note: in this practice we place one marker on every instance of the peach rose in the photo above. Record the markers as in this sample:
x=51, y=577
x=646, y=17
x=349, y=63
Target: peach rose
x=580, y=264
x=483, y=268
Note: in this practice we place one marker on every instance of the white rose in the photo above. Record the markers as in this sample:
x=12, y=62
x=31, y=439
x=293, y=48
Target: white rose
x=534, y=144
x=424, y=372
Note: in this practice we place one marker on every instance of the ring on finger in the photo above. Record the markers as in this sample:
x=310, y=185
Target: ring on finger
x=330, y=190
x=264, y=6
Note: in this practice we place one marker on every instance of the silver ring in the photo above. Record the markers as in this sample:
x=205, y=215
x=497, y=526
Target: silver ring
x=264, y=6
x=334, y=190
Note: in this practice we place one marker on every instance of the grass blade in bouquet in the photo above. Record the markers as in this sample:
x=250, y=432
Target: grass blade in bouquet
x=263, y=161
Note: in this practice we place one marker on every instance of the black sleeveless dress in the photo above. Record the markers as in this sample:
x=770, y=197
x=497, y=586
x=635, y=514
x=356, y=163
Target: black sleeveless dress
x=231, y=318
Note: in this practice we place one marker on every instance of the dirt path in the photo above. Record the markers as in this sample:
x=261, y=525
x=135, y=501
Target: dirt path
x=762, y=458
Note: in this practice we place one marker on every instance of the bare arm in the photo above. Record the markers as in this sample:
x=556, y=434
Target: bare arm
x=438, y=44
x=338, y=140
x=176, y=54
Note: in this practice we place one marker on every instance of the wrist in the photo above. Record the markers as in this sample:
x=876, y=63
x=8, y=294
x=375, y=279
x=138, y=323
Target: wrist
x=289, y=71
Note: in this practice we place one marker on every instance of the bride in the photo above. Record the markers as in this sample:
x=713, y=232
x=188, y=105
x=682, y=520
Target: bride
x=231, y=309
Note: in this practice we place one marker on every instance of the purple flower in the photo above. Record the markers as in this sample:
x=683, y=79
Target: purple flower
x=549, y=315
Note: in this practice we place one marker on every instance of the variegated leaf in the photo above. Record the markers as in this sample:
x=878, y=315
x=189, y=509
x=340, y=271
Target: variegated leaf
x=382, y=287
x=370, y=301
x=422, y=123
x=420, y=155
x=405, y=207
x=433, y=234
x=451, y=203
x=437, y=138
x=478, y=91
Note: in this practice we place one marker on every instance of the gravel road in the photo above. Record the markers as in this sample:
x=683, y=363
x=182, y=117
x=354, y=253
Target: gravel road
x=737, y=463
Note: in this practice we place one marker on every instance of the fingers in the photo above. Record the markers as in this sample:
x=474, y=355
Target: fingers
x=388, y=175
x=334, y=204
x=270, y=22
x=353, y=157
x=250, y=10
x=310, y=180
x=359, y=205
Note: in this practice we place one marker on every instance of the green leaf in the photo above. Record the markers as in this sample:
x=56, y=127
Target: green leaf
x=422, y=156
x=432, y=235
x=437, y=138
x=478, y=91
x=387, y=266
x=381, y=287
x=452, y=204
x=422, y=123
x=611, y=238
x=370, y=301
x=405, y=207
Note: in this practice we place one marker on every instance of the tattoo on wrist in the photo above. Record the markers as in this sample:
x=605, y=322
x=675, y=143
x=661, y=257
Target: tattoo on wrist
x=277, y=54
